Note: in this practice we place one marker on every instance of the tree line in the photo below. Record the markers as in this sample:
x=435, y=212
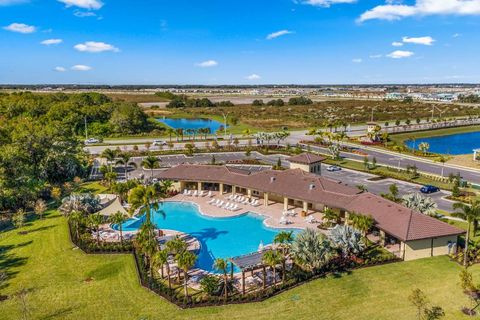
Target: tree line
x=40, y=140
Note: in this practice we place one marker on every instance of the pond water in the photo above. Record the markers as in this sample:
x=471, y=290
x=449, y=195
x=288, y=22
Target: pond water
x=219, y=237
x=461, y=143
x=193, y=123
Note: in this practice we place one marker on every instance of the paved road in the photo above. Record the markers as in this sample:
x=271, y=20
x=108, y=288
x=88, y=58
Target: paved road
x=383, y=157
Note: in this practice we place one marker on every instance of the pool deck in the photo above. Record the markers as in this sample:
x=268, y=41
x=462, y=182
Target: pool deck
x=272, y=213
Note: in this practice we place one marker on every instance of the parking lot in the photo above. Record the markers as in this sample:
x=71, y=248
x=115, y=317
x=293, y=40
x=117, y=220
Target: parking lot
x=355, y=178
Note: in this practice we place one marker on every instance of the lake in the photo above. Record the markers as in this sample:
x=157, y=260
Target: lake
x=192, y=123
x=455, y=144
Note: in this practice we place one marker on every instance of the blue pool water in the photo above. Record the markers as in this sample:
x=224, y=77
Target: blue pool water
x=219, y=237
x=462, y=143
x=183, y=123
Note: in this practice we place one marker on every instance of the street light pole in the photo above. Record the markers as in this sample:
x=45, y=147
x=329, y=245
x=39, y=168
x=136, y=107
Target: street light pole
x=225, y=116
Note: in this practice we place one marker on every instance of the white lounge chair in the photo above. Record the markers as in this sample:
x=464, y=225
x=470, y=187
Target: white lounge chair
x=185, y=192
x=211, y=201
x=256, y=203
x=220, y=203
x=311, y=219
x=209, y=194
x=246, y=201
x=284, y=221
x=235, y=207
x=227, y=205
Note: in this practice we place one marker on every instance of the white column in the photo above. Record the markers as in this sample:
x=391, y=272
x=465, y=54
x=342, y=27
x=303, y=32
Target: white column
x=265, y=199
x=285, y=203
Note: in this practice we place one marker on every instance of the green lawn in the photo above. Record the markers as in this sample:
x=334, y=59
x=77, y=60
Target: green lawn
x=44, y=262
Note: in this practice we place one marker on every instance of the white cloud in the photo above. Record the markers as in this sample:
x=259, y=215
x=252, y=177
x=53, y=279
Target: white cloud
x=207, y=64
x=85, y=4
x=427, y=41
x=398, y=54
x=456, y=35
x=397, y=44
x=376, y=56
x=83, y=14
x=253, y=76
x=277, y=34
x=4, y=3
x=357, y=60
x=49, y=42
x=422, y=8
x=326, y=3
x=95, y=47
x=60, y=69
x=81, y=67
x=20, y=28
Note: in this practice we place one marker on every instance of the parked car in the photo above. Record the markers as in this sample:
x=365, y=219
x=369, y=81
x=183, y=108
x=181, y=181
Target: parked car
x=429, y=189
x=91, y=140
x=157, y=143
x=333, y=168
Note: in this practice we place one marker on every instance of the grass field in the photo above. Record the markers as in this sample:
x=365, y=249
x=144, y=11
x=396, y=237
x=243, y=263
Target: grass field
x=64, y=283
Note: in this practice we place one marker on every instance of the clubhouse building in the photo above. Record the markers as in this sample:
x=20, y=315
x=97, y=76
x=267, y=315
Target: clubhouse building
x=414, y=235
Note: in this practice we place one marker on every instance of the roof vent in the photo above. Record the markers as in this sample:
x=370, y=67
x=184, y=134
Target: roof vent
x=311, y=187
x=272, y=179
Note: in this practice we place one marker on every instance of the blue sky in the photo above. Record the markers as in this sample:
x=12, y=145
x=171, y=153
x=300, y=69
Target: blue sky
x=239, y=41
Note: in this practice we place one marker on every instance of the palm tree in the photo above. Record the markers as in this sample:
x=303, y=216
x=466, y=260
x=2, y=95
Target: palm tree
x=76, y=218
x=179, y=132
x=186, y=261
x=124, y=159
x=362, y=223
x=222, y=265
x=470, y=213
x=145, y=199
x=330, y=216
x=284, y=240
x=170, y=132
x=94, y=221
x=417, y=202
x=167, y=185
x=146, y=243
x=424, y=146
x=176, y=247
x=311, y=249
x=159, y=260
x=119, y=219
x=272, y=258
x=151, y=162
x=109, y=154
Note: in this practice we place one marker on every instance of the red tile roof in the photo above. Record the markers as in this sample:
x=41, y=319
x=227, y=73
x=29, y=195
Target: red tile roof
x=389, y=216
x=306, y=158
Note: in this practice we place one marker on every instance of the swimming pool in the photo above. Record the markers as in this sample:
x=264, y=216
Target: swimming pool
x=454, y=144
x=194, y=123
x=219, y=237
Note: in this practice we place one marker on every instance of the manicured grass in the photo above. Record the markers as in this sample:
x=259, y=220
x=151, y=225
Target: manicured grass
x=92, y=187
x=65, y=283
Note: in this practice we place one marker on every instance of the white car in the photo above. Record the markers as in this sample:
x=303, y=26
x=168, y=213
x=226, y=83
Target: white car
x=333, y=168
x=91, y=140
x=159, y=143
